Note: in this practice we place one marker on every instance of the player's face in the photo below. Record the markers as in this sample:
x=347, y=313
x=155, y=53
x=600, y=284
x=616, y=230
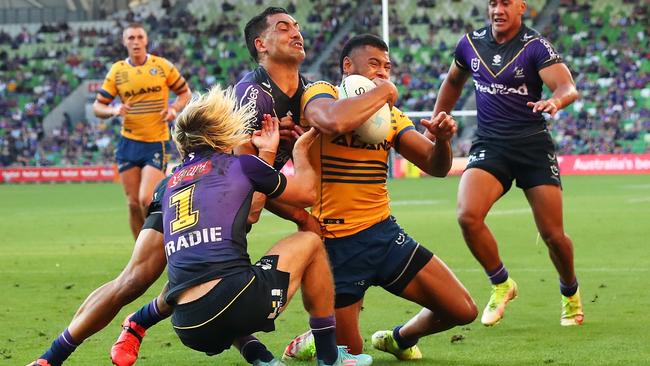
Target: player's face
x=282, y=40
x=135, y=41
x=505, y=15
x=368, y=61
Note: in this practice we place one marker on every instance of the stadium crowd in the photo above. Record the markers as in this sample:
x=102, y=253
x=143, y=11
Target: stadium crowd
x=610, y=66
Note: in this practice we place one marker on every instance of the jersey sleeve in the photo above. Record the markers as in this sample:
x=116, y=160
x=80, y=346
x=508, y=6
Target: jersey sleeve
x=251, y=95
x=154, y=219
x=108, y=91
x=544, y=54
x=175, y=81
x=459, y=57
x=313, y=91
x=262, y=176
x=401, y=124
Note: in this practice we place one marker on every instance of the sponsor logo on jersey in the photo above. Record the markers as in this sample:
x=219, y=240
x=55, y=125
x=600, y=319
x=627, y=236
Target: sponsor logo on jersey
x=551, y=52
x=189, y=173
x=496, y=60
x=147, y=90
x=153, y=71
x=479, y=34
x=500, y=89
x=204, y=236
x=249, y=99
x=519, y=72
x=475, y=63
x=527, y=37
x=353, y=142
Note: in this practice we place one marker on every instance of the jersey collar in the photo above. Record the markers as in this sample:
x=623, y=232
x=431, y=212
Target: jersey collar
x=128, y=60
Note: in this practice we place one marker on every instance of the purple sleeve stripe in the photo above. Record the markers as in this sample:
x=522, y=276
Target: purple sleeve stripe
x=318, y=96
x=399, y=136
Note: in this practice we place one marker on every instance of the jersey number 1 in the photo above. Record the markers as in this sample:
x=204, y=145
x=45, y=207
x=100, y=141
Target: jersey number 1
x=186, y=216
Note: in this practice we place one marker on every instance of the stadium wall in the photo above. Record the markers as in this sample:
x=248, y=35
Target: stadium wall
x=569, y=165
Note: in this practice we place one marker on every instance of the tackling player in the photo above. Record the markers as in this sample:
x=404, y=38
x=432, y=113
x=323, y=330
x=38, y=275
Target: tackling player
x=142, y=82
x=219, y=297
x=365, y=244
x=510, y=63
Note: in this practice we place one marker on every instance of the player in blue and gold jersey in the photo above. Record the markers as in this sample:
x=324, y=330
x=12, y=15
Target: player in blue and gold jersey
x=365, y=244
x=509, y=64
x=142, y=82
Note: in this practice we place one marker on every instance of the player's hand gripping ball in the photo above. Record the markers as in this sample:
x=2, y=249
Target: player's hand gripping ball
x=376, y=128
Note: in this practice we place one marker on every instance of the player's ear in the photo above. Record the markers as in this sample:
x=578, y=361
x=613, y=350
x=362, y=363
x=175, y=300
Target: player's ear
x=523, y=6
x=259, y=46
x=347, y=65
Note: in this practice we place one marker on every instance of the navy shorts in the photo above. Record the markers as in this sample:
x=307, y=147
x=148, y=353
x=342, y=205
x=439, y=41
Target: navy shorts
x=381, y=255
x=530, y=160
x=131, y=153
x=239, y=305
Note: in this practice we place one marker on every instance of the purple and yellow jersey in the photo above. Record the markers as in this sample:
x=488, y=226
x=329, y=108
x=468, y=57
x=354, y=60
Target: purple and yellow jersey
x=506, y=77
x=146, y=89
x=352, y=195
x=205, y=207
x=258, y=90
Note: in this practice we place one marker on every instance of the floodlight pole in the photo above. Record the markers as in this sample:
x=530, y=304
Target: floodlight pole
x=384, y=20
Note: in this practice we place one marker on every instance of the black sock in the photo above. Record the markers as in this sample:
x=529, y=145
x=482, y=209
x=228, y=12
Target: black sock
x=61, y=349
x=324, y=331
x=498, y=275
x=252, y=349
x=570, y=289
x=148, y=315
x=402, y=342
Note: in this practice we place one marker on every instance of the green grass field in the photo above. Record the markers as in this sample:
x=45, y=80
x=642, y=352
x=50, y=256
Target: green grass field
x=60, y=242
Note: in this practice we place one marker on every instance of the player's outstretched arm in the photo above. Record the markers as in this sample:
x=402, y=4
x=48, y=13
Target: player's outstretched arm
x=558, y=78
x=332, y=116
x=177, y=106
x=450, y=89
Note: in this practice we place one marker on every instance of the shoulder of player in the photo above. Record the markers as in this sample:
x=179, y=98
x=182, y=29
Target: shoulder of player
x=159, y=60
x=321, y=84
x=397, y=115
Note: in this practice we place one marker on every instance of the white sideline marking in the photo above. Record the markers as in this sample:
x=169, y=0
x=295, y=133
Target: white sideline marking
x=638, y=200
x=636, y=186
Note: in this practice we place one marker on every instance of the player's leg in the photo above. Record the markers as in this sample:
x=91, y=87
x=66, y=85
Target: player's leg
x=445, y=300
x=477, y=192
x=150, y=176
x=131, y=179
x=303, y=256
x=546, y=203
x=100, y=308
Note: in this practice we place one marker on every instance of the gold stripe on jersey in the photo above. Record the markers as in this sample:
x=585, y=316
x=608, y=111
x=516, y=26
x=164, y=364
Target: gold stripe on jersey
x=146, y=89
x=352, y=192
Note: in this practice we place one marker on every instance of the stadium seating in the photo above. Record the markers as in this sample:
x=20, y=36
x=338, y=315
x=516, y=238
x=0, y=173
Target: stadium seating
x=602, y=41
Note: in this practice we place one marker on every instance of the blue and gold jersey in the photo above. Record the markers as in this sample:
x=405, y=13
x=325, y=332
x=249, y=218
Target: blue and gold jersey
x=352, y=195
x=146, y=89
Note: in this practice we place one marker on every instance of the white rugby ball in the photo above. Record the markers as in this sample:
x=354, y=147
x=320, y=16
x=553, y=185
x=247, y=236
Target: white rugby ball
x=376, y=128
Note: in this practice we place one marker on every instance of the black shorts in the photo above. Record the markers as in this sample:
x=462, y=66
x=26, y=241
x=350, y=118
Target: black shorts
x=131, y=153
x=237, y=306
x=530, y=160
x=381, y=255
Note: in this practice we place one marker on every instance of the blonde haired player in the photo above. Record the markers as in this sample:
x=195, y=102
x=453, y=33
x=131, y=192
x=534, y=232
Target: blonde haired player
x=142, y=82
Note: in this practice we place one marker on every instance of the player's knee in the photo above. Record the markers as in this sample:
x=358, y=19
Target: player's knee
x=468, y=220
x=134, y=205
x=467, y=313
x=554, y=238
x=311, y=241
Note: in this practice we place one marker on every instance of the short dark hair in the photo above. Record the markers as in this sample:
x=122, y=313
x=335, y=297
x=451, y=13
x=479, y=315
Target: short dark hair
x=256, y=26
x=361, y=41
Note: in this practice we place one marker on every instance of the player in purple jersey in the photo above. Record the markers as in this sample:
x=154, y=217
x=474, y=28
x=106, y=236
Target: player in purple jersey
x=220, y=297
x=275, y=87
x=510, y=63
